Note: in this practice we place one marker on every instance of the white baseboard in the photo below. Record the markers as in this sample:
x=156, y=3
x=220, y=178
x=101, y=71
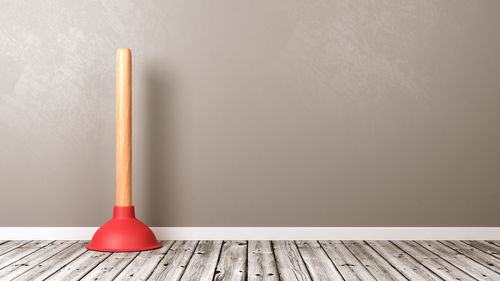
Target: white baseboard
x=267, y=233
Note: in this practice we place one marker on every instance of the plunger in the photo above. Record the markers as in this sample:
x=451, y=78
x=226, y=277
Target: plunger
x=123, y=233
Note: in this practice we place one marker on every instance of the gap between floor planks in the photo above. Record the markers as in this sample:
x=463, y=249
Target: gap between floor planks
x=255, y=260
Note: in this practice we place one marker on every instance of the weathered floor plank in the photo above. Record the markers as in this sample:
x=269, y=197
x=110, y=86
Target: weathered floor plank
x=373, y=262
x=21, y=251
x=79, y=267
x=495, y=242
x=317, y=261
x=289, y=262
x=10, y=245
x=232, y=261
x=144, y=264
x=203, y=262
x=28, y=262
x=432, y=261
x=261, y=263
x=479, y=256
x=173, y=264
x=348, y=265
x=111, y=267
x=52, y=264
x=467, y=265
x=408, y=266
x=485, y=246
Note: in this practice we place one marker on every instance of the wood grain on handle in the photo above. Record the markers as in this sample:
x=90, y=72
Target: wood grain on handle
x=123, y=127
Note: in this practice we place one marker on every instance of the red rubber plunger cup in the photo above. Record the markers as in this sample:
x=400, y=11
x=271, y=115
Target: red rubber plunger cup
x=123, y=233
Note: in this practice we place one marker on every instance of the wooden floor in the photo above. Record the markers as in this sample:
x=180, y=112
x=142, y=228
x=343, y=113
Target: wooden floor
x=255, y=260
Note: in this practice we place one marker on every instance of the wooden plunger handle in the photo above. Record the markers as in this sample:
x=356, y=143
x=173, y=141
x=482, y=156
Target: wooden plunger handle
x=123, y=127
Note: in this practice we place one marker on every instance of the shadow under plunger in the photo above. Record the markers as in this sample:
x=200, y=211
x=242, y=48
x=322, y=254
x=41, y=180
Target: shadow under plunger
x=123, y=233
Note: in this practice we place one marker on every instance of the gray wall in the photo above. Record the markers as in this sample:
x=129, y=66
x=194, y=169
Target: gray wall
x=254, y=113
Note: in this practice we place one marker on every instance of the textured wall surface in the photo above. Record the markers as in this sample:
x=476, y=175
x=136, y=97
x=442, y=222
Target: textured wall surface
x=254, y=113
